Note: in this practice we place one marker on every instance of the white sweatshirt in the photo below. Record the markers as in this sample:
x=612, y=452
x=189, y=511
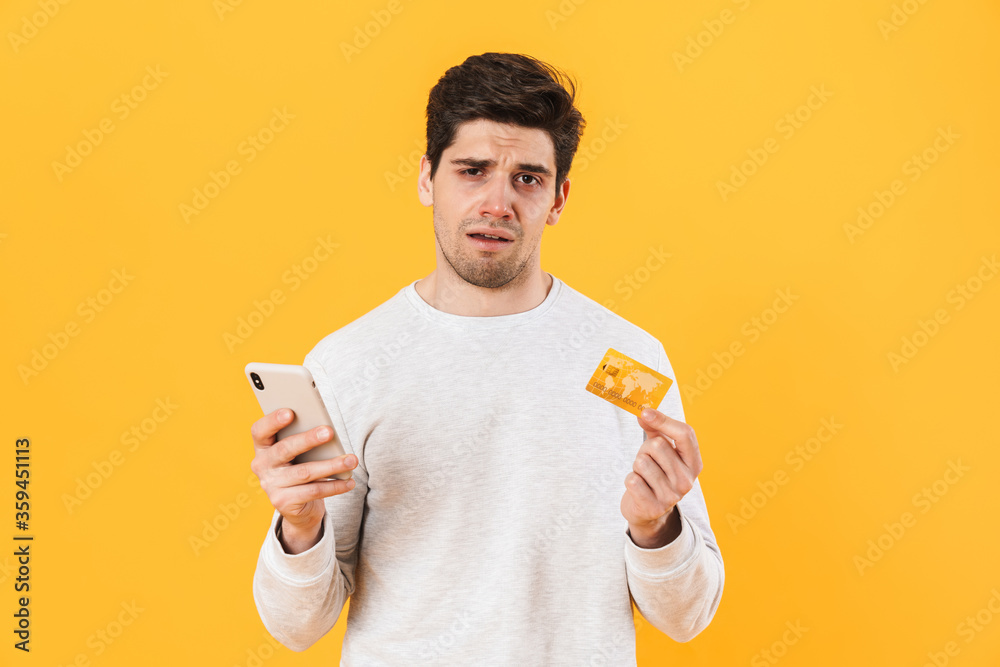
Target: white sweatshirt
x=485, y=527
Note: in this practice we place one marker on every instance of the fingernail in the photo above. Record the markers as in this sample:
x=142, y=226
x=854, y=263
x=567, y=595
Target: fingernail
x=648, y=414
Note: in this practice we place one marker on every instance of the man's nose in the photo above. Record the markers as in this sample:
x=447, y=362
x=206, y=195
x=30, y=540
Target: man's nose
x=497, y=195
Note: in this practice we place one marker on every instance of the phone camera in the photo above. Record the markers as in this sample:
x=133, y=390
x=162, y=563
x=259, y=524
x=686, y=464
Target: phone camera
x=256, y=381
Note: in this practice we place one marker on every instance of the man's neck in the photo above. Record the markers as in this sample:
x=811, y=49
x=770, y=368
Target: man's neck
x=458, y=297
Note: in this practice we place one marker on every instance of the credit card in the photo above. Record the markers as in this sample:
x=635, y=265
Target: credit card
x=625, y=382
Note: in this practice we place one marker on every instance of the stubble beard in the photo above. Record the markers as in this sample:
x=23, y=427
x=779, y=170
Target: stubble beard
x=475, y=267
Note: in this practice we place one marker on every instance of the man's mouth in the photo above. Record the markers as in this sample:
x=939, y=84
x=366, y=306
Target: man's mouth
x=489, y=237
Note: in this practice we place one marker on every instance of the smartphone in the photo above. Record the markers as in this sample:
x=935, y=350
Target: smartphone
x=289, y=386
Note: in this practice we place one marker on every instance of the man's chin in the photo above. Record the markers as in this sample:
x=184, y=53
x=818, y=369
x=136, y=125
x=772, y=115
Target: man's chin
x=488, y=279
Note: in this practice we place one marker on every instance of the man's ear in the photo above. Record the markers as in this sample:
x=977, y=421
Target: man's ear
x=562, y=193
x=425, y=187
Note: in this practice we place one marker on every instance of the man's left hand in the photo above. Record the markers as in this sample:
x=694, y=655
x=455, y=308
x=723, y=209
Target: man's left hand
x=664, y=471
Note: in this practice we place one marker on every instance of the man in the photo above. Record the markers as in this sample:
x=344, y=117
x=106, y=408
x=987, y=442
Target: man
x=499, y=514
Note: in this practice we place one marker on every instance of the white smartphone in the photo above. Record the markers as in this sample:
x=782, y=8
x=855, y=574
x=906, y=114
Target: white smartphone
x=289, y=386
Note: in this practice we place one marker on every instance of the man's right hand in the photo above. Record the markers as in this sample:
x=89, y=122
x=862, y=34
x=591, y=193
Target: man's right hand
x=292, y=488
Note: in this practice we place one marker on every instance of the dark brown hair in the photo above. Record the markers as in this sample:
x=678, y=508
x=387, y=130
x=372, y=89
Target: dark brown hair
x=505, y=88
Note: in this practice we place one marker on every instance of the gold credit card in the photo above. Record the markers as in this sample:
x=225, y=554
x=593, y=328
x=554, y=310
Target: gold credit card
x=625, y=382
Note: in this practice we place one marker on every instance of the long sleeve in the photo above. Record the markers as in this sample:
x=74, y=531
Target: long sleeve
x=300, y=597
x=678, y=587
x=482, y=460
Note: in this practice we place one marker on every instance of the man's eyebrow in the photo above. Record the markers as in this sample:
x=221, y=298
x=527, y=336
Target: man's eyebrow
x=482, y=163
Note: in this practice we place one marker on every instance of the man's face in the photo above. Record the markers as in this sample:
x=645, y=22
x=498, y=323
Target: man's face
x=499, y=179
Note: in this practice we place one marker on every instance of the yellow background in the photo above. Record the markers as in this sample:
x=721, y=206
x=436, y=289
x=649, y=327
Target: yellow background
x=654, y=184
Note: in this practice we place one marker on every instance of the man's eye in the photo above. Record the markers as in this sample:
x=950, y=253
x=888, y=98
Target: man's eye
x=533, y=179
x=466, y=171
